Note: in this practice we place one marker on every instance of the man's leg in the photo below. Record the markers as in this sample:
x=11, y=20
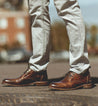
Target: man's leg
x=36, y=74
x=38, y=10
x=79, y=75
x=69, y=11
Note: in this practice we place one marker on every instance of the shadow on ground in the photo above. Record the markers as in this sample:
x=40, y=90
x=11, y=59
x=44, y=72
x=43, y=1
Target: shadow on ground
x=95, y=80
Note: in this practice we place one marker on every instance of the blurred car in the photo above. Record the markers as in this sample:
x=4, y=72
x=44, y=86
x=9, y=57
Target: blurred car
x=15, y=55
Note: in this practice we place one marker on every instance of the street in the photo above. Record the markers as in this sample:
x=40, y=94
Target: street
x=42, y=95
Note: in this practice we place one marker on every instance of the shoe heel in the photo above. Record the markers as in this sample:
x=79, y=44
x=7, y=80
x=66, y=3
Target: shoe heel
x=87, y=86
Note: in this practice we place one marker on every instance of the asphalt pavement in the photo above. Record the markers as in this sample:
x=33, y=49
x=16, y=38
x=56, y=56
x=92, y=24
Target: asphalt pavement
x=42, y=95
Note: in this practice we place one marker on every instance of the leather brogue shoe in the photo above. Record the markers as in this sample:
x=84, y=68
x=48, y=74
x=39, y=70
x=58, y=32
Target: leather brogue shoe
x=73, y=81
x=30, y=77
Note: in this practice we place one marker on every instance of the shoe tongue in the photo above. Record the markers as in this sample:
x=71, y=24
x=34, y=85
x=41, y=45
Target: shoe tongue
x=70, y=74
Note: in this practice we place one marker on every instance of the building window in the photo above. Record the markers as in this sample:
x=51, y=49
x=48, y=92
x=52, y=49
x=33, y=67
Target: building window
x=3, y=23
x=3, y=38
x=20, y=22
x=21, y=38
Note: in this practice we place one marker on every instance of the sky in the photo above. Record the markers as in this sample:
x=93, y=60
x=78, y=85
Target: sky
x=87, y=2
x=89, y=10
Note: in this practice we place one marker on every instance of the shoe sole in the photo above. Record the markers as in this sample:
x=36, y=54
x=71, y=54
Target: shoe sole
x=84, y=86
x=38, y=83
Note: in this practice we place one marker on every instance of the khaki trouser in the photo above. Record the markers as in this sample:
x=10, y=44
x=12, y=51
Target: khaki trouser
x=69, y=11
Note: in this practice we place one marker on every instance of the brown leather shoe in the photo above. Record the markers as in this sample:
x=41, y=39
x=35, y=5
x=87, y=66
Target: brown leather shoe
x=28, y=78
x=73, y=81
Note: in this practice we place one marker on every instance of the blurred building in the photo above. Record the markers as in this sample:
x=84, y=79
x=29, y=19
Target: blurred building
x=14, y=24
x=15, y=28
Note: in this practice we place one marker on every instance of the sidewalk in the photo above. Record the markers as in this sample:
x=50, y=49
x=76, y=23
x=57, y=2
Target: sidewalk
x=42, y=96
